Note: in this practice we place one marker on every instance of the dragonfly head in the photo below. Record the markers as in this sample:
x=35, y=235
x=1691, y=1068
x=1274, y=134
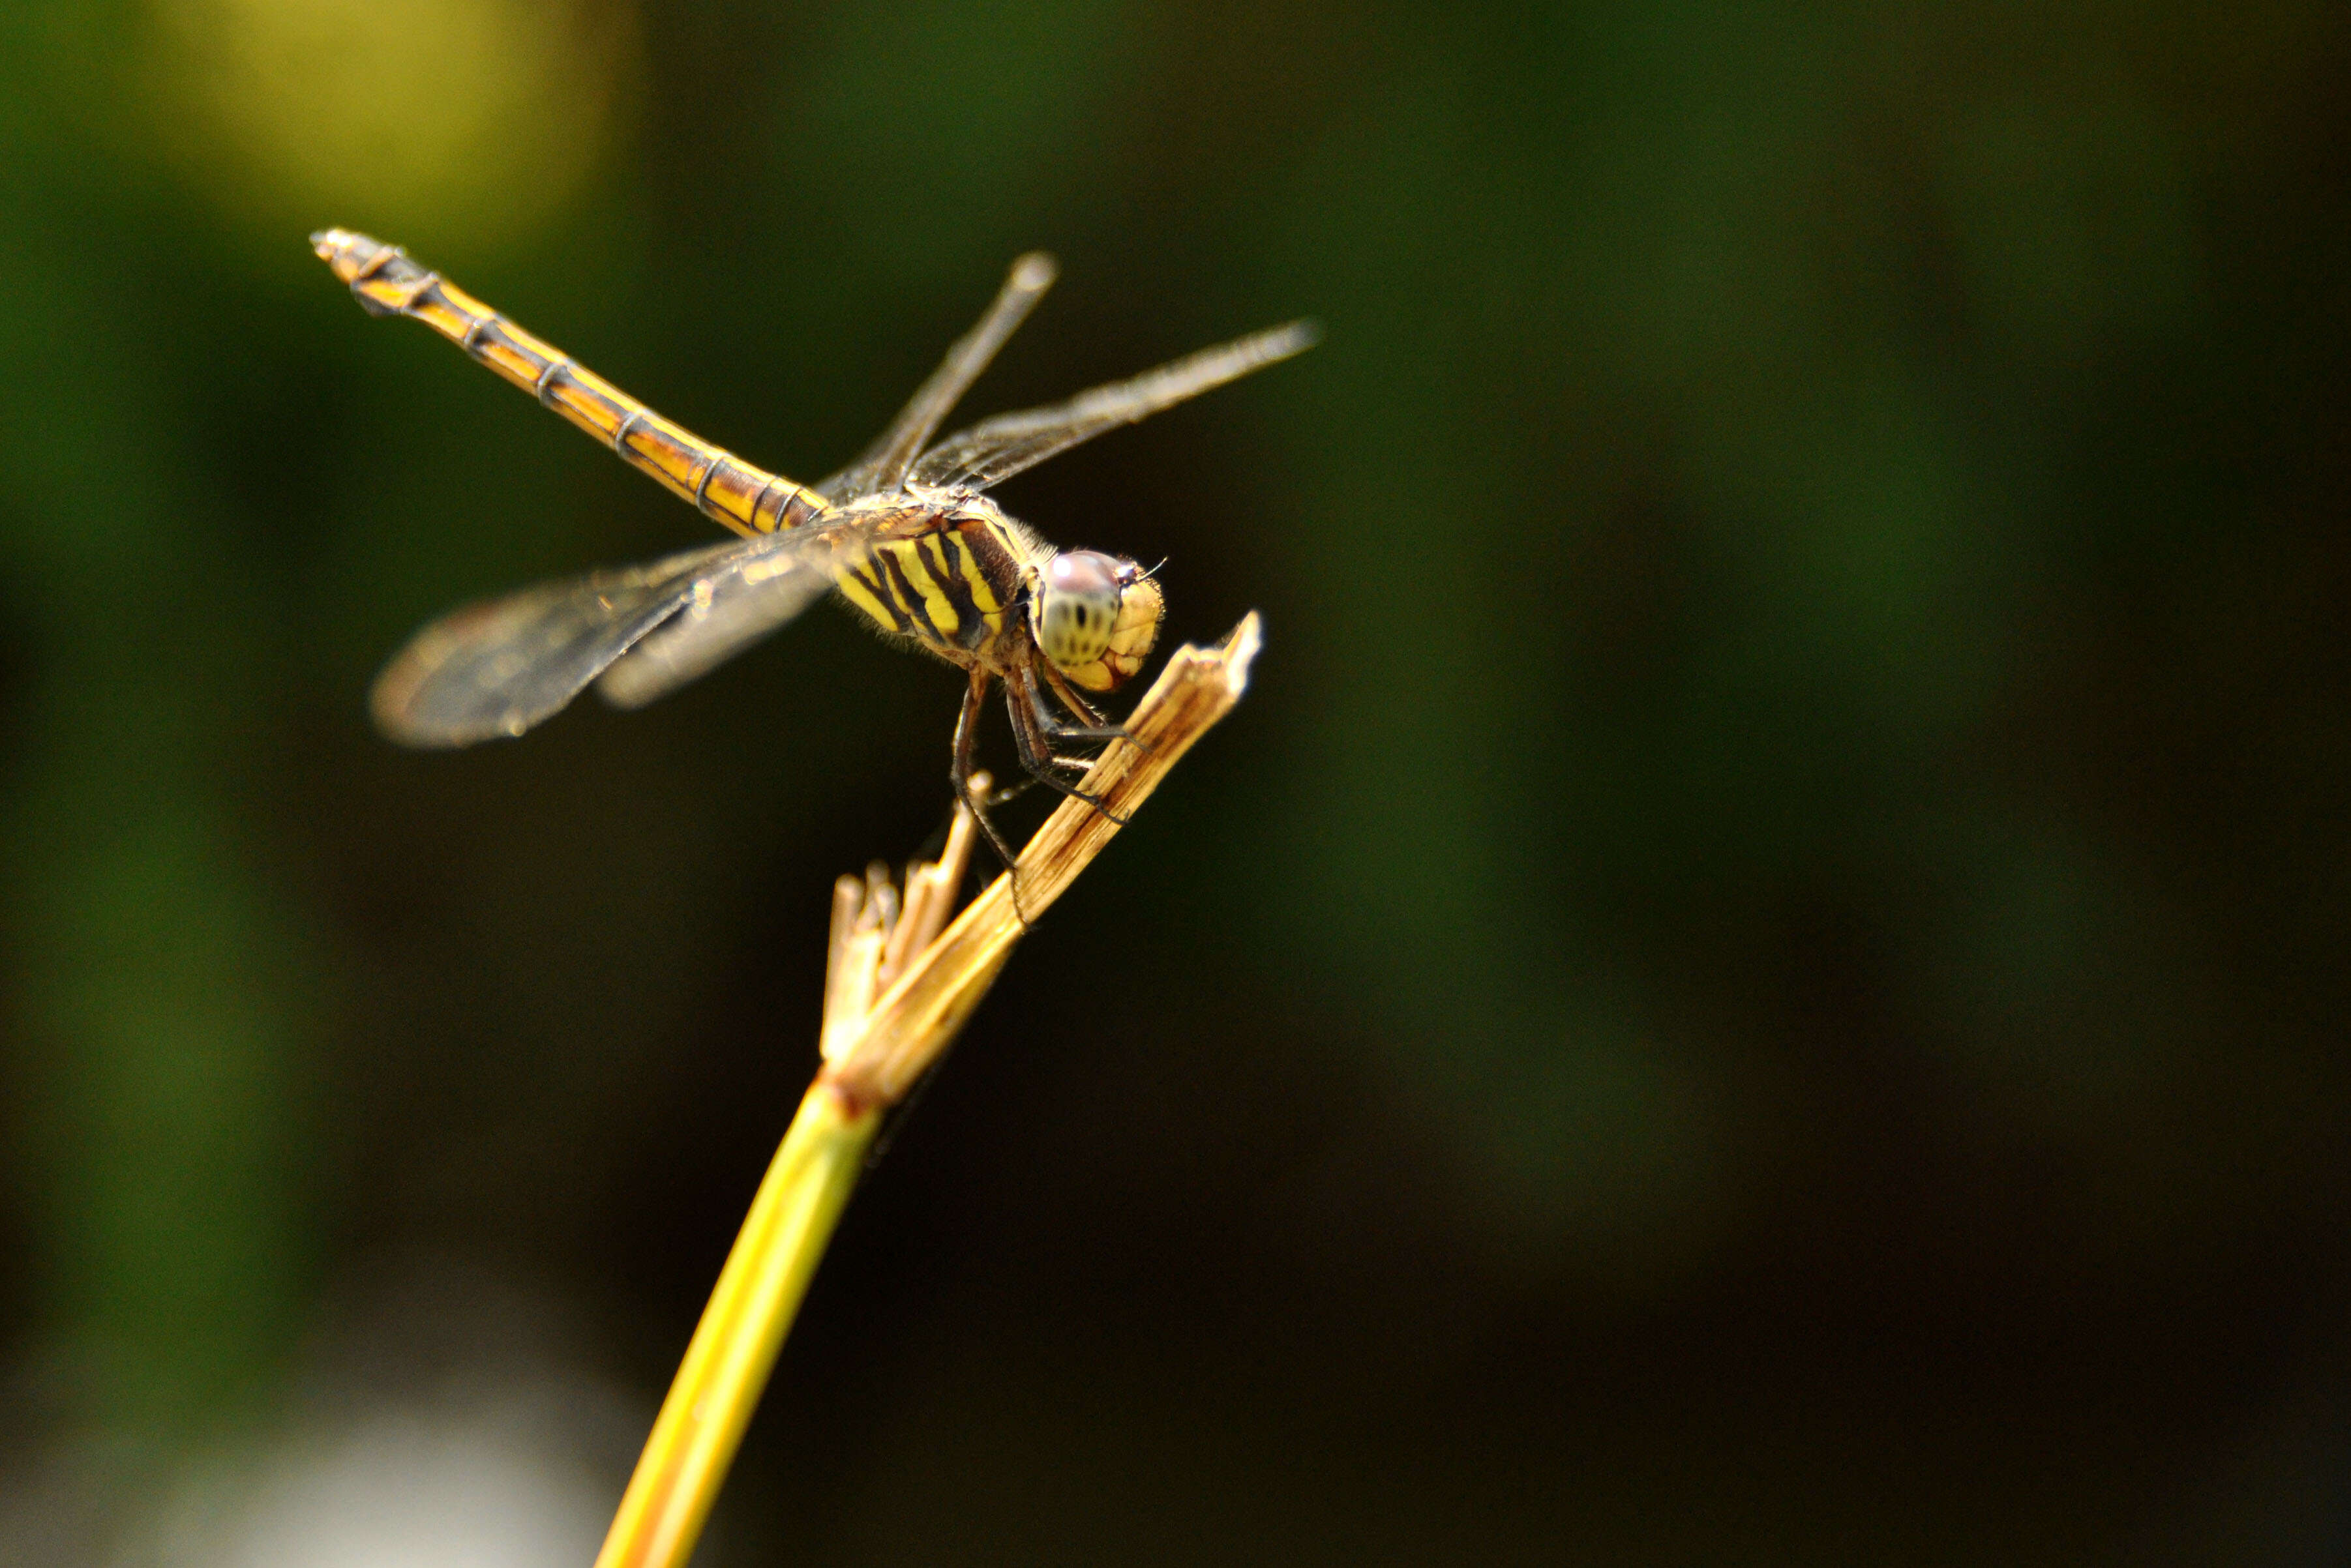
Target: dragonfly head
x=1096, y=618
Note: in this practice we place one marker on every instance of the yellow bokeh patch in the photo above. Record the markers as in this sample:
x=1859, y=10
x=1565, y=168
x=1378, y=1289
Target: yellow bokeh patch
x=451, y=120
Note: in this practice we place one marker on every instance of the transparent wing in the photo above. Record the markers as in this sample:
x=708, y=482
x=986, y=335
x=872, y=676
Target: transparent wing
x=883, y=465
x=997, y=448
x=499, y=667
x=727, y=614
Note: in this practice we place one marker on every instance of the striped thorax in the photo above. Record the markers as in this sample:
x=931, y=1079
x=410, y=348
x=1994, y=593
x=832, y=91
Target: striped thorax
x=968, y=583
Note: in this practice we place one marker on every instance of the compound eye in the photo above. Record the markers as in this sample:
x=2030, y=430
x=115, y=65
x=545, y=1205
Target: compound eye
x=1087, y=572
x=1077, y=606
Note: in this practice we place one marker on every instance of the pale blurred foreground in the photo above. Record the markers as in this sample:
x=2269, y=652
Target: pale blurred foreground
x=440, y=1424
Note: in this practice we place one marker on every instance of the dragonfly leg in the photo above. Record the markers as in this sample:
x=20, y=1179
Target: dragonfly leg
x=1033, y=726
x=1090, y=726
x=1071, y=697
x=967, y=745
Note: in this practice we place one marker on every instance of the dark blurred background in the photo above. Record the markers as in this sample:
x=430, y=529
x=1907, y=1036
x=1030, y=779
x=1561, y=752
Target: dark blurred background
x=1760, y=979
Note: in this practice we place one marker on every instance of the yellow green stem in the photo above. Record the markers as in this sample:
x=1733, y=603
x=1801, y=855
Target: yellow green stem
x=701, y=1423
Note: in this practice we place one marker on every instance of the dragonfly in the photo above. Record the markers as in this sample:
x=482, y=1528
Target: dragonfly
x=907, y=535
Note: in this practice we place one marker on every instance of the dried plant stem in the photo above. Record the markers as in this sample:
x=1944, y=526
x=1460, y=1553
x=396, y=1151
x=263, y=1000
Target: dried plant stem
x=897, y=991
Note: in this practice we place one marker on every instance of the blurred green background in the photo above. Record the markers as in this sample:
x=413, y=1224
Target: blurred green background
x=1762, y=978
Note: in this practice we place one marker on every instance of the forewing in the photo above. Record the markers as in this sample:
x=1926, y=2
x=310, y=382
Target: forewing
x=883, y=465
x=499, y=667
x=997, y=448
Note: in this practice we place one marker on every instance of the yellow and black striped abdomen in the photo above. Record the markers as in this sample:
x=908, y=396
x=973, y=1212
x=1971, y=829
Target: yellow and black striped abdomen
x=949, y=586
x=723, y=486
